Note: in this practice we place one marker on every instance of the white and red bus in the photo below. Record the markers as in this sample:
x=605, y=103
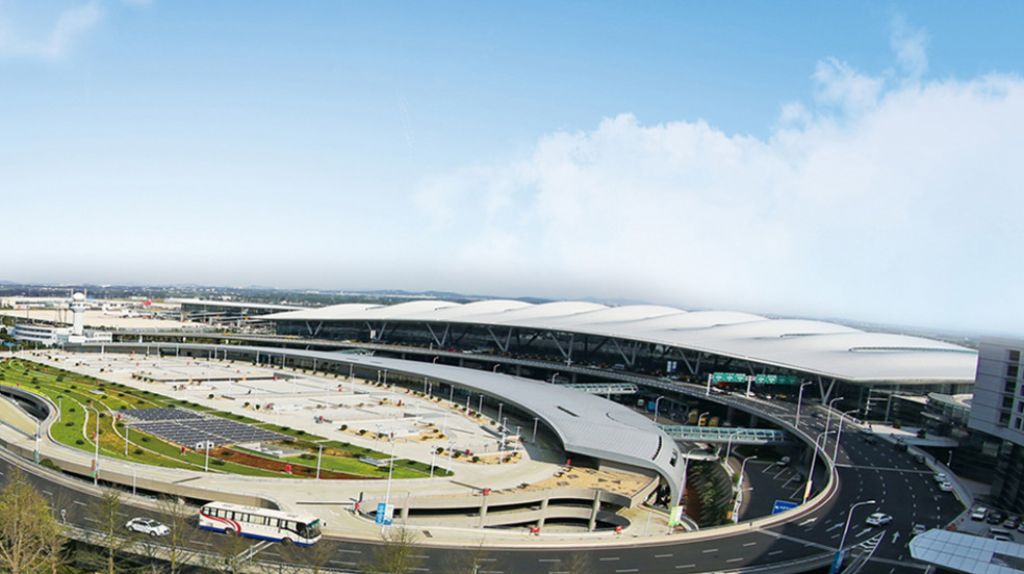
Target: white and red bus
x=261, y=523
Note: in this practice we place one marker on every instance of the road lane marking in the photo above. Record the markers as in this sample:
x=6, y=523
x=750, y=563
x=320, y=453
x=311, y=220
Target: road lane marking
x=750, y=544
x=662, y=555
x=709, y=551
x=608, y=558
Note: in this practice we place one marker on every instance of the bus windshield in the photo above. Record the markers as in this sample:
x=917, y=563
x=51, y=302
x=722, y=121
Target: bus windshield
x=311, y=530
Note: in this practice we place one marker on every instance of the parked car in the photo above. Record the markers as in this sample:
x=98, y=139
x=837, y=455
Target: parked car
x=1012, y=522
x=979, y=513
x=941, y=477
x=996, y=517
x=1000, y=534
x=784, y=461
x=870, y=439
x=918, y=529
x=147, y=526
x=878, y=519
x=946, y=486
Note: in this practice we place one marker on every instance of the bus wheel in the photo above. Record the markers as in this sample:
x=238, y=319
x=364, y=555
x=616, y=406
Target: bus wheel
x=286, y=541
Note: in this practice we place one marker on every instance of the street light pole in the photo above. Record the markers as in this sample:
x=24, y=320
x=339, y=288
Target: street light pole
x=739, y=489
x=319, y=457
x=799, y=400
x=96, y=455
x=391, y=468
x=701, y=417
x=534, y=439
x=842, y=541
x=656, y=401
x=839, y=434
x=828, y=419
x=814, y=460
x=686, y=468
x=206, y=460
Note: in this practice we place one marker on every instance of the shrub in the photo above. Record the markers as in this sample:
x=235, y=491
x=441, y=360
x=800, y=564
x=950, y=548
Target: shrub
x=71, y=409
x=60, y=378
x=344, y=427
x=69, y=424
x=137, y=451
x=438, y=450
x=210, y=396
x=218, y=462
x=145, y=439
x=476, y=458
x=79, y=442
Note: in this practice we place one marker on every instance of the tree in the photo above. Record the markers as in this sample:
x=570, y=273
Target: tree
x=105, y=514
x=29, y=534
x=170, y=553
x=312, y=559
x=395, y=554
x=230, y=555
x=576, y=563
x=467, y=561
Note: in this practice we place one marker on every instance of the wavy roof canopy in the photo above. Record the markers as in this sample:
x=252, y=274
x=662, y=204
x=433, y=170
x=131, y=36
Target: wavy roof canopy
x=815, y=347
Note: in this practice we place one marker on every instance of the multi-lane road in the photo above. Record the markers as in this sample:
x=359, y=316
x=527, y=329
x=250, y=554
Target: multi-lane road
x=899, y=485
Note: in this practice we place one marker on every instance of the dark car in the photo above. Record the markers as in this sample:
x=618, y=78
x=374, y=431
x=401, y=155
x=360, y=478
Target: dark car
x=996, y=517
x=1012, y=522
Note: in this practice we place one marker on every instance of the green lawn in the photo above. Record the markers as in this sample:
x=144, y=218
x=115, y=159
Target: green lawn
x=84, y=398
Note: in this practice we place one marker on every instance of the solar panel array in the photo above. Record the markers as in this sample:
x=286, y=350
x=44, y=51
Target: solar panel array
x=187, y=428
x=161, y=414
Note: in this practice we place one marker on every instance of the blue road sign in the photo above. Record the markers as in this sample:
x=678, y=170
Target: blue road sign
x=385, y=512
x=782, y=506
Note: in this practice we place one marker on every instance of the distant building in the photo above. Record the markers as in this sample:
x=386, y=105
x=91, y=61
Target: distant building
x=52, y=335
x=997, y=412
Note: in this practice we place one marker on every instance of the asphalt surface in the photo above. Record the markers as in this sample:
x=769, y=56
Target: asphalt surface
x=901, y=487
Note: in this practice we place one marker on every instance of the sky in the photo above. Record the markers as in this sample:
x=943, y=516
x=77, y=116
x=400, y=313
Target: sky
x=856, y=160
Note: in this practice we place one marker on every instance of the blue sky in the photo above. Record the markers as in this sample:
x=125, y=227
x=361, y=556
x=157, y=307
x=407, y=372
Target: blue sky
x=849, y=159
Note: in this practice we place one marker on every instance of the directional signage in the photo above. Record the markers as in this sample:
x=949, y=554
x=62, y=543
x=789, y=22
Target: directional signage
x=385, y=512
x=728, y=378
x=782, y=506
x=776, y=379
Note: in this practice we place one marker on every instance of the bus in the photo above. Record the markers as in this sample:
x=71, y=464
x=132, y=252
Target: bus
x=260, y=523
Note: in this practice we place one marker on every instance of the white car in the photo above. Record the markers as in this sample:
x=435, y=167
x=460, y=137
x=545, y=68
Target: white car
x=147, y=526
x=878, y=519
x=946, y=487
x=979, y=513
x=941, y=477
x=918, y=529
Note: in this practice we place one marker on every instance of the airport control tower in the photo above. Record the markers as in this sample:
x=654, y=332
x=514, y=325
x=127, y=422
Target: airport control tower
x=78, y=307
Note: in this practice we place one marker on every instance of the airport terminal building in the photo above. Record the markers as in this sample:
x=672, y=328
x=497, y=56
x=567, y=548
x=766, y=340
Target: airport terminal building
x=865, y=368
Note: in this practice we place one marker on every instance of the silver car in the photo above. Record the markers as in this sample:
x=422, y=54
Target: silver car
x=147, y=526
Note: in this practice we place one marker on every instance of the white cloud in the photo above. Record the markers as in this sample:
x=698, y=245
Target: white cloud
x=910, y=46
x=898, y=204
x=55, y=41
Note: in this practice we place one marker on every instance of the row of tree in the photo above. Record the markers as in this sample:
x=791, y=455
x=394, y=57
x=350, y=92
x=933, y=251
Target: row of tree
x=36, y=538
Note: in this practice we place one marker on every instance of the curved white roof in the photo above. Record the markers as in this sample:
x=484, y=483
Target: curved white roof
x=815, y=347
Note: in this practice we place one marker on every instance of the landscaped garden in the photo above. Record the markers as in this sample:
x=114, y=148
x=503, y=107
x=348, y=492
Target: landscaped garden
x=84, y=400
